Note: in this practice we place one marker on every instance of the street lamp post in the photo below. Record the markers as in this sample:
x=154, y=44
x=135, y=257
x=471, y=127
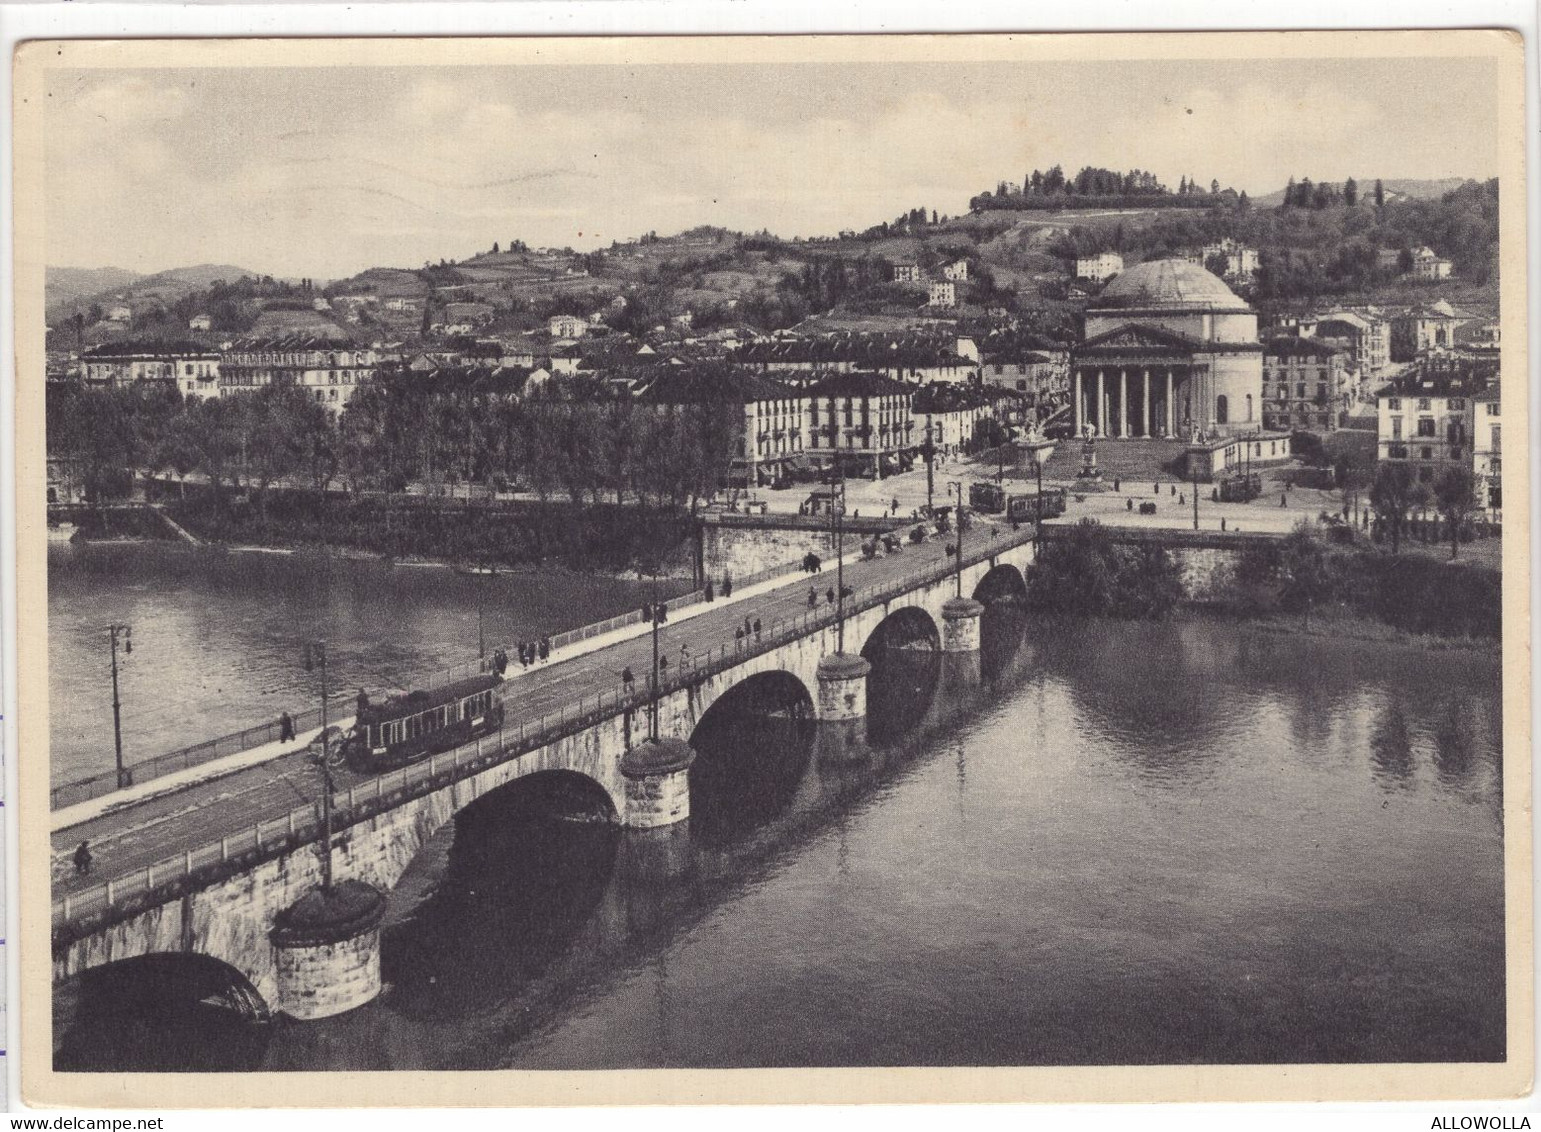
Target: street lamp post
x=958, y=573
x=652, y=709
x=837, y=523
x=1038, y=518
x=481, y=601
x=930, y=468
x=315, y=655
x=127, y=633
x=1195, y=497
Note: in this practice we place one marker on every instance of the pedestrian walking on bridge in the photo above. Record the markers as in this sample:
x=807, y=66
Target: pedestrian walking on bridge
x=83, y=858
x=285, y=728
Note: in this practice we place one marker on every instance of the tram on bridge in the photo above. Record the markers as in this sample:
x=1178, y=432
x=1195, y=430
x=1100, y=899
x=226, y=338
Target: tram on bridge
x=404, y=729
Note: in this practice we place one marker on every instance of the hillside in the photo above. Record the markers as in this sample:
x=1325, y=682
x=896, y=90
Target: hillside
x=1395, y=188
x=138, y=292
x=68, y=284
x=1014, y=262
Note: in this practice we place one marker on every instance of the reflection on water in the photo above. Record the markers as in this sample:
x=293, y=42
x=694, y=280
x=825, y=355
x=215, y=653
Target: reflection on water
x=159, y=1014
x=216, y=635
x=1182, y=843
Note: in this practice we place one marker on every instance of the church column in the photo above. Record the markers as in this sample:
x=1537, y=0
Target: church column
x=1123, y=403
x=1080, y=405
x=1102, y=405
x=1145, y=405
x=1171, y=422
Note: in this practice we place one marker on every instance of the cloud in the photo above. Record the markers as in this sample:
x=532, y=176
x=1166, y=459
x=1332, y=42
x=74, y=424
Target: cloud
x=322, y=173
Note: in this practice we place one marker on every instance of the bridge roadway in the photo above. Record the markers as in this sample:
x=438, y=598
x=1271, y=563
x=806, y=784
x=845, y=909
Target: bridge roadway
x=126, y=840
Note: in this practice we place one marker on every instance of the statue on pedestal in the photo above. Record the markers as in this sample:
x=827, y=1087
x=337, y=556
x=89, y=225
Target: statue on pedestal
x=1088, y=454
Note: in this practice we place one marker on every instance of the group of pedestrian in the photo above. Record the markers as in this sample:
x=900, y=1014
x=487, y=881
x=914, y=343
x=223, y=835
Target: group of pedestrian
x=659, y=612
x=499, y=662
x=534, y=652
x=749, y=630
x=812, y=563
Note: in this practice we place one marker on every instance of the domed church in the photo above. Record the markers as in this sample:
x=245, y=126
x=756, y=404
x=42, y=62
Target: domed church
x=1169, y=351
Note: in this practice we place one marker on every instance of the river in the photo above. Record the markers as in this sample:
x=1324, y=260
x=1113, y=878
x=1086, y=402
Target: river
x=1188, y=842
x=218, y=637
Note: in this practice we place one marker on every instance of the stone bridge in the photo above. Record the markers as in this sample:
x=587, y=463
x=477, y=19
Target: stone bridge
x=254, y=905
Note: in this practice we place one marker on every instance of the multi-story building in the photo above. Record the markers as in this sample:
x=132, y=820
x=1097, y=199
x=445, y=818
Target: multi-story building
x=1428, y=326
x=1363, y=334
x=1099, y=268
x=329, y=369
x=1428, y=266
x=1025, y=363
x=913, y=358
x=1487, y=451
x=1304, y=384
x=957, y=271
x=949, y=417
x=773, y=421
x=906, y=273
x=192, y=369
x=862, y=422
x=1425, y=417
x=1240, y=261
x=943, y=293
x=567, y=326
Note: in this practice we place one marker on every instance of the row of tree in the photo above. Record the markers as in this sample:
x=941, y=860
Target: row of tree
x=568, y=439
x=1327, y=194
x=1306, y=252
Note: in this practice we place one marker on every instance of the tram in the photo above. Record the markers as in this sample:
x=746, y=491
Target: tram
x=403, y=729
x=1034, y=506
x=988, y=498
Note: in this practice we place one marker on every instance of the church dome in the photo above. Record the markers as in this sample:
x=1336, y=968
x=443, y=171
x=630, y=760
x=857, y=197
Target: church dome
x=1169, y=283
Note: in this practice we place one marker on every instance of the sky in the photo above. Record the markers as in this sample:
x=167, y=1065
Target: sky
x=324, y=171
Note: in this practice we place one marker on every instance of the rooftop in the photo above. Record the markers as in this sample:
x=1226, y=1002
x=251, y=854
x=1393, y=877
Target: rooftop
x=1170, y=283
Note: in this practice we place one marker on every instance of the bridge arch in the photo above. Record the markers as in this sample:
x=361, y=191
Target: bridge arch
x=1003, y=583
x=158, y=1012
x=905, y=651
x=753, y=746
x=504, y=890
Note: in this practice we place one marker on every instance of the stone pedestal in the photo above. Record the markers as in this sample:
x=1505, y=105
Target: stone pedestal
x=960, y=645
x=657, y=773
x=842, y=707
x=960, y=624
x=656, y=856
x=327, y=948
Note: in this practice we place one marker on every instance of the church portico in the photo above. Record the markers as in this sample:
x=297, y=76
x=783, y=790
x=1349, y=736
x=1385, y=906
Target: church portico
x=1170, y=352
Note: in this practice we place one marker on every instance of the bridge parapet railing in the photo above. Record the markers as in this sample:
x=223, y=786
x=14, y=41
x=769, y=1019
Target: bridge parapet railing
x=174, y=875
x=196, y=754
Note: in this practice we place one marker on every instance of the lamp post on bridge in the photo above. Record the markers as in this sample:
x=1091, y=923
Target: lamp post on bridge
x=837, y=528
x=315, y=656
x=652, y=707
x=957, y=485
x=127, y=633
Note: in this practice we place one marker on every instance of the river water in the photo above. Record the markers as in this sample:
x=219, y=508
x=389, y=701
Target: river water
x=1190, y=842
x=218, y=637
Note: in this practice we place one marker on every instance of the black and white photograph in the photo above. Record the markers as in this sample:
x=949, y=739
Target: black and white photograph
x=865, y=554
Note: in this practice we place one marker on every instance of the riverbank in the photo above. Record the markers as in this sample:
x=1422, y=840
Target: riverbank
x=1335, y=624
x=403, y=529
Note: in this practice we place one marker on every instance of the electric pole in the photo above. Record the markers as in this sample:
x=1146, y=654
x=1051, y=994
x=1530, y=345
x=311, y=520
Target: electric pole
x=114, y=632
x=315, y=654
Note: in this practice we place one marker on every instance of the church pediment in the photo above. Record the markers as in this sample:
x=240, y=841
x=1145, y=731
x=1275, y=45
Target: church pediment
x=1140, y=337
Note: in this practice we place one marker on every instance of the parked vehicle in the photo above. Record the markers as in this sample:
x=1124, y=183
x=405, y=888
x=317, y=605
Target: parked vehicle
x=1241, y=489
